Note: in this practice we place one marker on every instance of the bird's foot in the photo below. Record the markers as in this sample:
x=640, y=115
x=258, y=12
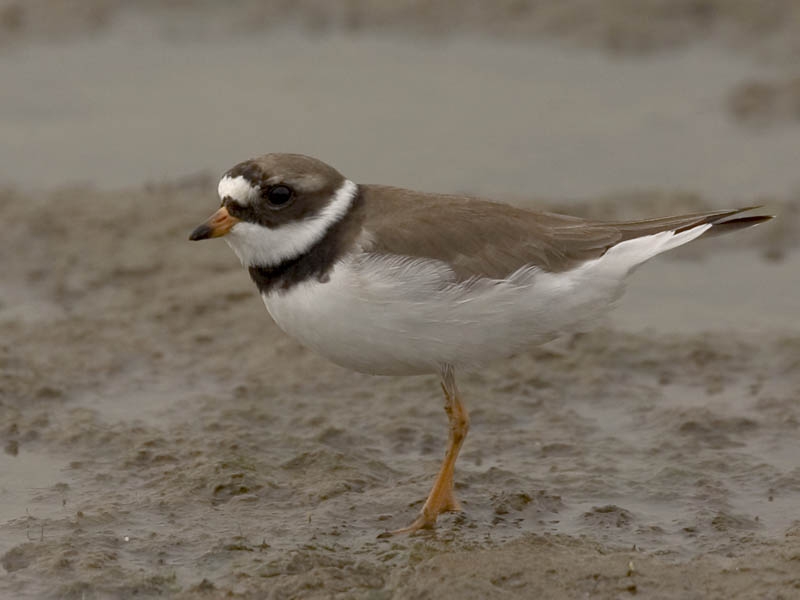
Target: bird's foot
x=438, y=502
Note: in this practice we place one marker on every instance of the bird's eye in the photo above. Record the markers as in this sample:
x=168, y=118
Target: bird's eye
x=277, y=195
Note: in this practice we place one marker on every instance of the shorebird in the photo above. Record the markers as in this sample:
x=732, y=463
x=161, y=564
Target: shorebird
x=389, y=281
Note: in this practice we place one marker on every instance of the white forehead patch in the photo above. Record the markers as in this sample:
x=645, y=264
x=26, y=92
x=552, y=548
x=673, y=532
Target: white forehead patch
x=237, y=188
x=259, y=246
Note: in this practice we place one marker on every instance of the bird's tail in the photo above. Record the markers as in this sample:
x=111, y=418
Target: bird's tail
x=721, y=221
x=642, y=240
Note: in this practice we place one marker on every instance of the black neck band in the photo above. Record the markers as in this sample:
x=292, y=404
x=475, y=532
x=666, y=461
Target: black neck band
x=316, y=263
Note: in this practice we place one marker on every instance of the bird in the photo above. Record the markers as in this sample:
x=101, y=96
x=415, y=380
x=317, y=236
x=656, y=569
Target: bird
x=390, y=281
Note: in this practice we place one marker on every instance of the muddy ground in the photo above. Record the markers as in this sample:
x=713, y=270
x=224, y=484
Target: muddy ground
x=161, y=437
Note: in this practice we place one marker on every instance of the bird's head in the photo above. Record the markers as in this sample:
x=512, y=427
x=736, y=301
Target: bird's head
x=276, y=207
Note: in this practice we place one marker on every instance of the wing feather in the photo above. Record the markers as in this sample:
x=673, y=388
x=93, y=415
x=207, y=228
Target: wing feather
x=479, y=238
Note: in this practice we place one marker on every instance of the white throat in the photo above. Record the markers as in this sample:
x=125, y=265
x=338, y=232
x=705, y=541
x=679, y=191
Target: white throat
x=256, y=245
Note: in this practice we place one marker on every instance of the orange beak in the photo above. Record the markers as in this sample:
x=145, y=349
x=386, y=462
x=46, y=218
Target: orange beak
x=217, y=225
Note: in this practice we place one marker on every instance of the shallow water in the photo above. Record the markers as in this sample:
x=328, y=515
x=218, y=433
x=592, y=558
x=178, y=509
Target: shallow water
x=32, y=483
x=462, y=115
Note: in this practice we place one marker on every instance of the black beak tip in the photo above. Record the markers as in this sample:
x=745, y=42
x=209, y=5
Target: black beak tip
x=203, y=232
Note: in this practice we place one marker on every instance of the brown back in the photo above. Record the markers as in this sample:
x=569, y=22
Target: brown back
x=479, y=238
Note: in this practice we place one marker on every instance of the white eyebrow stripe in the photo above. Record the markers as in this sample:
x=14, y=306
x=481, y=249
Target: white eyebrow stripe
x=259, y=246
x=238, y=188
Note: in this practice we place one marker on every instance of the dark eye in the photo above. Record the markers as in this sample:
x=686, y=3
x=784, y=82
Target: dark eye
x=277, y=195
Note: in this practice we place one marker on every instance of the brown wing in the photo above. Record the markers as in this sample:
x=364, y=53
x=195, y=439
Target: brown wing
x=487, y=239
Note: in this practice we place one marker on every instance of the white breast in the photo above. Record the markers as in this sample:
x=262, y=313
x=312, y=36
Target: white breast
x=395, y=315
x=400, y=316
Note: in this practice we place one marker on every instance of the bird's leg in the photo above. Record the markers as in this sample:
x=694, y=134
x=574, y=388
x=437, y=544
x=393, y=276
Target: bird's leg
x=441, y=498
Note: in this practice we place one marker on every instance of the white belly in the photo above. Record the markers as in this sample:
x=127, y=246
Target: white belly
x=398, y=316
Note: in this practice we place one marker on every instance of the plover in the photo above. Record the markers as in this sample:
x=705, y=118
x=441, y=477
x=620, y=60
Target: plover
x=395, y=282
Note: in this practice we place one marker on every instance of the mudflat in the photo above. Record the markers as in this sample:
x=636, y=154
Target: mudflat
x=162, y=437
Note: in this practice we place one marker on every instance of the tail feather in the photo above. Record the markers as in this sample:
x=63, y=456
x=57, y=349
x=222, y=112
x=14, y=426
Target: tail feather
x=642, y=240
x=730, y=225
x=721, y=221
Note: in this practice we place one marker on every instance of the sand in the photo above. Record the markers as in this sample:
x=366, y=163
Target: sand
x=162, y=438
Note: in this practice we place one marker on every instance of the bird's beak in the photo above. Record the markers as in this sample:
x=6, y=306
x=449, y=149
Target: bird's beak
x=217, y=225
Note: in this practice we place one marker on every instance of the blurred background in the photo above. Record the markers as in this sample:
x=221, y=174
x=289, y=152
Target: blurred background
x=156, y=442
x=556, y=99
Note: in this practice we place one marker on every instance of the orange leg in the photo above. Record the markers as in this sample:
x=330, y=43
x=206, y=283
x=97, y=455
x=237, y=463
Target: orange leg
x=441, y=498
